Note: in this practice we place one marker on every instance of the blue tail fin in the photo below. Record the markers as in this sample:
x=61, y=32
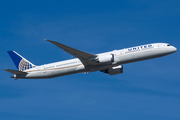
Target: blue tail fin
x=20, y=62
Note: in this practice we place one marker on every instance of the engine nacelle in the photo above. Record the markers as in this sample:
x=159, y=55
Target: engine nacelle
x=114, y=70
x=106, y=58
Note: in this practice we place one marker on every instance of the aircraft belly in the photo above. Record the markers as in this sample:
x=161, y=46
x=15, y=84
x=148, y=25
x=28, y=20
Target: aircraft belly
x=53, y=73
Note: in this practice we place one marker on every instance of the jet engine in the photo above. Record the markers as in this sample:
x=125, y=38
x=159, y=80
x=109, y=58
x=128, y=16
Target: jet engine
x=114, y=70
x=105, y=58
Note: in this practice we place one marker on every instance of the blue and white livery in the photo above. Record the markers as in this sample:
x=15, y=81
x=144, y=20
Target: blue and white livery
x=21, y=63
x=108, y=62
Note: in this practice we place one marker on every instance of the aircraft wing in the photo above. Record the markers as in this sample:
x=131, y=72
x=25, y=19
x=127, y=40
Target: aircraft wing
x=86, y=58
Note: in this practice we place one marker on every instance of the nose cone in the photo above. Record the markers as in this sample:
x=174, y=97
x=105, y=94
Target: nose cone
x=170, y=49
x=174, y=49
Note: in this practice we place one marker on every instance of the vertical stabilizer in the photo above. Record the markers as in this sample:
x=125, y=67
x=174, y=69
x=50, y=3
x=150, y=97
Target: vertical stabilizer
x=20, y=62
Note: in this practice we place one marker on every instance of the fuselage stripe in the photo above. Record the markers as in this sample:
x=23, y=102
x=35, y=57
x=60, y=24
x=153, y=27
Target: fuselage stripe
x=54, y=68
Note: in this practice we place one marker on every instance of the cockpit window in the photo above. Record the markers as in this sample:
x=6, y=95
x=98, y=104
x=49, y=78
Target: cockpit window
x=168, y=45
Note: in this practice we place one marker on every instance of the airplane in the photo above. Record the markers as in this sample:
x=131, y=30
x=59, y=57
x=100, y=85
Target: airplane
x=109, y=62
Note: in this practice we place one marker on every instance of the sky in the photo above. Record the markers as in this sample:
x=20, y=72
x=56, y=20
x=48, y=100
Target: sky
x=147, y=90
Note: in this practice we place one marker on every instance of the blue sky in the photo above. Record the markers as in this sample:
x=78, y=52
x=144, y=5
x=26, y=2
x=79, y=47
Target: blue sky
x=147, y=90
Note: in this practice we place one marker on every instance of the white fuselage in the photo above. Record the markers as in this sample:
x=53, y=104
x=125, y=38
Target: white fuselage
x=122, y=56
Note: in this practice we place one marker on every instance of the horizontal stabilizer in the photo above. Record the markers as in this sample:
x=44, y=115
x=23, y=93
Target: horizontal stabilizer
x=15, y=71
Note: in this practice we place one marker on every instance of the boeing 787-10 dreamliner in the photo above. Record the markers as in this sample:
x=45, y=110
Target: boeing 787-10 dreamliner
x=108, y=62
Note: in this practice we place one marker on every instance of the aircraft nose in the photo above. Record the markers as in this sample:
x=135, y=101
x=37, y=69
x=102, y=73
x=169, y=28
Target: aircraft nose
x=174, y=49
